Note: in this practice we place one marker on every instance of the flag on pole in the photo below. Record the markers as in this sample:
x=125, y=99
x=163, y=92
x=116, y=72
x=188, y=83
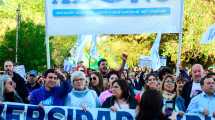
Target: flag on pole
x=93, y=49
x=209, y=35
x=155, y=57
x=80, y=48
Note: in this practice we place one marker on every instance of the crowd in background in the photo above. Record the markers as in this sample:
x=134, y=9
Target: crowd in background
x=155, y=95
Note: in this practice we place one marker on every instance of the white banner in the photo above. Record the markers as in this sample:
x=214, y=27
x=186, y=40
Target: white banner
x=193, y=116
x=11, y=111
x=20, y=69
x=66, y=17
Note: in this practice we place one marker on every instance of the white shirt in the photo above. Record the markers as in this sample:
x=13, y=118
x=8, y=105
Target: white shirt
x=196, y=89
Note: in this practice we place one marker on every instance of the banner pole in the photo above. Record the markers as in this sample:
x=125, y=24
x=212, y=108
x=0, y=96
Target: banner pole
x=48, y=52
x=47, y=38
x=180, y=38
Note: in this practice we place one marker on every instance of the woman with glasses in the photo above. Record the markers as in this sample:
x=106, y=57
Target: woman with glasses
x=81, y=96
x=121, y=97
x=96, y=82
x=151, y=82
x=8, y=90
x=169, y=94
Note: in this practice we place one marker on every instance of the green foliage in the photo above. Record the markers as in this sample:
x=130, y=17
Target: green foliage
x=31, y=47
x=60, y=47
x=198, y=16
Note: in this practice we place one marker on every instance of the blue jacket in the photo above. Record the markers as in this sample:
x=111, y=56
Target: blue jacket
x=56, y=96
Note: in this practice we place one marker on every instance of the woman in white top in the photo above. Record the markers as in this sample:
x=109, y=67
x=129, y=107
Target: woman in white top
x=81, y=96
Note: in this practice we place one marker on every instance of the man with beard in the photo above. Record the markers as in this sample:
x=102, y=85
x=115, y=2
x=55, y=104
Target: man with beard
x=103, y=65
x=19, y=81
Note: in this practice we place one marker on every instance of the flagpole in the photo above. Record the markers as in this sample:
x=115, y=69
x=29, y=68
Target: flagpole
x=17, y=31
x=89, y=60
x=180, y=38
x=48, y=57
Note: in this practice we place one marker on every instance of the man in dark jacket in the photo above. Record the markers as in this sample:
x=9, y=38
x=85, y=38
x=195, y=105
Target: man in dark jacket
x=193, y=87
x=20, y=82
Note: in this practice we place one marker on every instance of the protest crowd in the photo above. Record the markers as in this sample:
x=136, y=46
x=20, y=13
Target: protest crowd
x=154, y=95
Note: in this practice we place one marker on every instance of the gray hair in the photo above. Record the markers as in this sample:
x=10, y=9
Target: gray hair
x=78, y=74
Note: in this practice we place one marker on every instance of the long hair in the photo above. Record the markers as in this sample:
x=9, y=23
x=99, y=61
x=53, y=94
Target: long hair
x=124, y=87
x=150, y=107
x=100, y=85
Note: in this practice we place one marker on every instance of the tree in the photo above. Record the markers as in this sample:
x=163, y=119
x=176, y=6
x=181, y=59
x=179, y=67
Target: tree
x=31, y=48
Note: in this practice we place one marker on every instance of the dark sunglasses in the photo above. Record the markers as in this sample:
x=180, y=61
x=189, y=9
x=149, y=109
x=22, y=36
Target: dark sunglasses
x=92, y=78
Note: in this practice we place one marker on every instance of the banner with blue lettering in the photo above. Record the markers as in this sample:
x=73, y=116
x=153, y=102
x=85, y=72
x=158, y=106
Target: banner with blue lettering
x=193, y=116
x=11, y=111
x=66, y=17
x=17, y=111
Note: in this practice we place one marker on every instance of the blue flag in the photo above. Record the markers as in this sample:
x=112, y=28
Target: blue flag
x=209, y=35
x=155, y=53
x=93, y=49
x=80, y=48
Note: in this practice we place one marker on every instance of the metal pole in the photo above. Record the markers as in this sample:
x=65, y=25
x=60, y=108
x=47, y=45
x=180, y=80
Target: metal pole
x=48, y=58
x=179, y=53
x=180, y=38
x=48, y=52
x=17, y=31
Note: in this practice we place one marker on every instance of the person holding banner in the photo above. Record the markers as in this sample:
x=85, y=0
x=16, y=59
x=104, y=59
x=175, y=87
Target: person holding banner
x=20, y=82
x=112, y=76
x=169, y=95
x=8, y=90
x=81, y=96
x=204, y=103
x=51, y=94
x=151, y=109
x=121, y=98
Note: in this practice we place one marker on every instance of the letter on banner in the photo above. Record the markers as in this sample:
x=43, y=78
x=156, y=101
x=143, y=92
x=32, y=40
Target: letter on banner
x=10, y=114
x=1, y=108
x=35, y=113
x=105, y=114
x=121, y=114
x=70, y=114
x=80, y=114
x=195, y=117
x=56, y=112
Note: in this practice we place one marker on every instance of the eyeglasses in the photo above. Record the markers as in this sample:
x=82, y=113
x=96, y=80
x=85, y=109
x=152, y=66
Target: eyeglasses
x=210, y=83
x=51, y=77
x=8, y=65
x=80, y=79
x=93, y=78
